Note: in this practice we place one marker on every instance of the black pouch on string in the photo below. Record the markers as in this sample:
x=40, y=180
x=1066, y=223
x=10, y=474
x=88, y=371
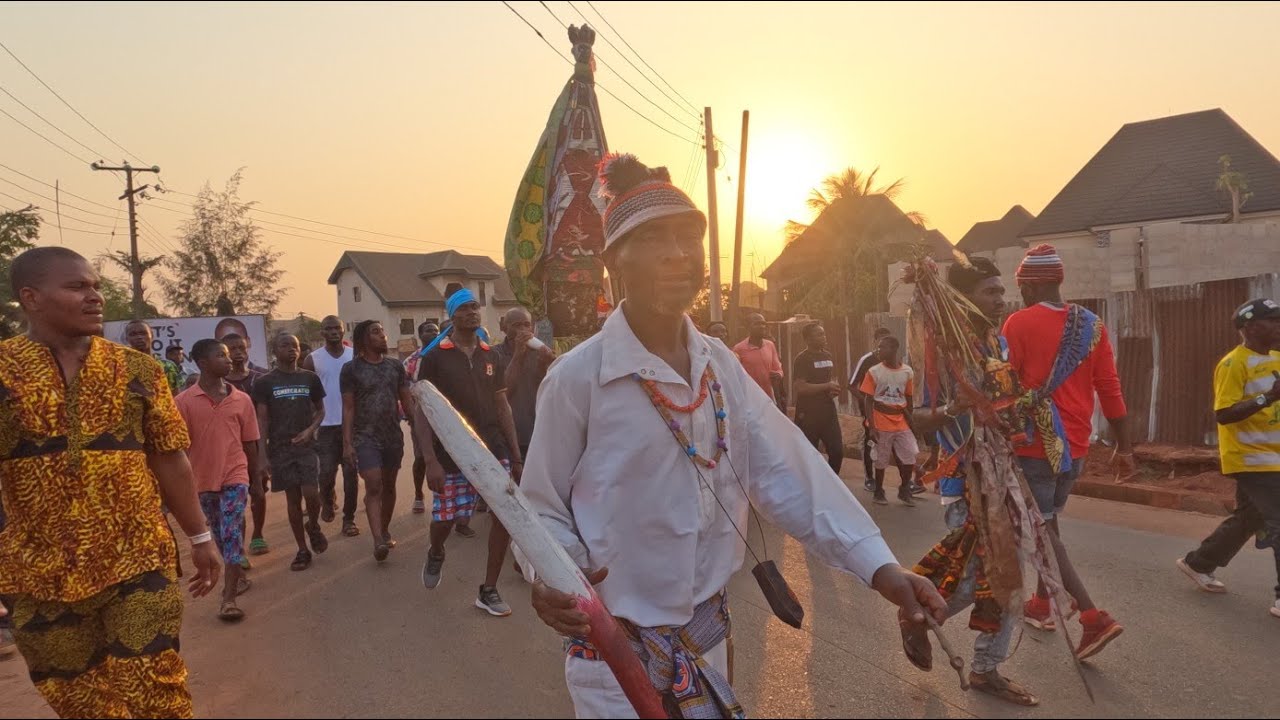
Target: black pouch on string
x=782, y=601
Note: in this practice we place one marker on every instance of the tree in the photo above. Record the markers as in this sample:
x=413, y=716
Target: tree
x=222, y=266
x=19, y=230
x=850, y=183
x=1235, y=184
x=117, y=300
x=124, y=261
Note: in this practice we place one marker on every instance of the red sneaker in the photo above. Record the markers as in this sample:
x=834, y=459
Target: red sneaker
x=1037, y=613
x=1099, y=629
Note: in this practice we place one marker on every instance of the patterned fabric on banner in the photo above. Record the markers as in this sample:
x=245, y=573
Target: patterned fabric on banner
x=555, y=234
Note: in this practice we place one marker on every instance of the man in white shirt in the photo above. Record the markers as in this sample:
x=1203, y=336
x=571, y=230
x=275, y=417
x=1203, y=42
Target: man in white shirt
x=650, y=446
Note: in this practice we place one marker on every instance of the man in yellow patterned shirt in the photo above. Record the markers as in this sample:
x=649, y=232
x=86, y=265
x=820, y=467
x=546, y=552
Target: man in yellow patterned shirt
x=1246, y=402
x=88, y=566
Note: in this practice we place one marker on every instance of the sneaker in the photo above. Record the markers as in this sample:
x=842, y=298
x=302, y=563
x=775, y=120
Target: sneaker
x=245, y=564
x=1206, y=581
x=880, y=499
x=917, y=488
x=464, y=530
x=869, y=485
x=319, y=542
x=1037, y=613
x=905, y=498
x=258, y=546
x=419, y=506
x=7, y=645
x=491, y=602
x=1275, y=609
x=1099, y=630
x=431, y=571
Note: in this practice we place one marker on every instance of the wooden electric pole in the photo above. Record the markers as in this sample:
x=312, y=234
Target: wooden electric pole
x=735, y=290
x=713, y=225
x=135, y=264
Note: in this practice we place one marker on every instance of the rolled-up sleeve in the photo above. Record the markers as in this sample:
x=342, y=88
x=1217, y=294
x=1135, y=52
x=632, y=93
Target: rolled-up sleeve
x=795, y=489
x=558, y=443
x=1106, y=379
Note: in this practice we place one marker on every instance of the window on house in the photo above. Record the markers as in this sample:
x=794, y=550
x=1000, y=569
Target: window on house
x=406, y=326
x=355, y=293
x=482, y=297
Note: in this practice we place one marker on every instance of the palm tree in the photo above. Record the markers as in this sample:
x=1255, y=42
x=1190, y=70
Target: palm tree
x=1235, y=184
x=850, y=183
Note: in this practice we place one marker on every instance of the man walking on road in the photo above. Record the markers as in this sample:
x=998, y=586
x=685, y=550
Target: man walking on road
x=374, y=388
x=327, y=362
x=865, y=363
x=887, y=389
x=760, y=358
x=224, y=456
x=1061, y=351
x=139, y=336
x=472, y=375
x=1246, y=390
x=88, y=565
x=816, y=392
x=242, y=377
x=290, y=406
x=427, y=332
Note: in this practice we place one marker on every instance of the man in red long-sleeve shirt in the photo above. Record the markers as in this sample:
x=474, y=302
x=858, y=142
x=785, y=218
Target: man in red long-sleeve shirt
x=1062, y=351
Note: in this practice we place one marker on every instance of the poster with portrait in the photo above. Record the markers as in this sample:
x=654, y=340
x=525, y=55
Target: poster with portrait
x=184, y=332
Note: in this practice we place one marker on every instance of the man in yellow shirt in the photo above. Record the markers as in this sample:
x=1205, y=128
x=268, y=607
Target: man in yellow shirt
x=1246, y=399
x=90, y=443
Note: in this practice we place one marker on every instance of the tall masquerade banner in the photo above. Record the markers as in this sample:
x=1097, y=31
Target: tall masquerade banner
x=555, y=235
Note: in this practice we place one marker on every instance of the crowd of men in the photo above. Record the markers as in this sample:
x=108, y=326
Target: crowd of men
x=655, y=443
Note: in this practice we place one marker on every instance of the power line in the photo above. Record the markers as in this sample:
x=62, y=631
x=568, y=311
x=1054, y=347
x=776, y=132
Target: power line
x=623, y=55
x=619, y=75
x=606, y=90
x=42, y=136
x=55, y=200
x=69, y=105
x=50, y=123
x=593, y=7
x=50, y=185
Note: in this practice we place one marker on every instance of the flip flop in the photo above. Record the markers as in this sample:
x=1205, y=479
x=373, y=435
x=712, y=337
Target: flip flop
x=230, y=613
x=916, y=645
x=258, y=546
x=1002, y=688
x=419, y=507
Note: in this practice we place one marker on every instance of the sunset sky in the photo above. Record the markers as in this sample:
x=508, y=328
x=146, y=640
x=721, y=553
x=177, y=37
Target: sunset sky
x=418, y=119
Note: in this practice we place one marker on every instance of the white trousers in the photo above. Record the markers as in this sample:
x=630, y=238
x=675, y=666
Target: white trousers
x=596, y=694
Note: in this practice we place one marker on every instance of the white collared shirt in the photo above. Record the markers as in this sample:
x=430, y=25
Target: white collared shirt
x=616, y=490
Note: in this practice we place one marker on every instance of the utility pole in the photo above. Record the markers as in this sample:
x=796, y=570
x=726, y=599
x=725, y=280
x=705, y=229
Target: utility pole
x=735, y=291
x=135, y=265
x=713, y=224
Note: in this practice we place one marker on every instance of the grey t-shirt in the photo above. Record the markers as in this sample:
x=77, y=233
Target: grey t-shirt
x=376, y=390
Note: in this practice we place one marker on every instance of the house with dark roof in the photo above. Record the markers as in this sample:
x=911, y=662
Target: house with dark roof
x=402, y=290
x=1151, y=243
x=990, y=236
x=1146, y=209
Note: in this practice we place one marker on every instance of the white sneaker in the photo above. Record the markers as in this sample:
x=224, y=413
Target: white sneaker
x=1275, y=609
x=1206, y=581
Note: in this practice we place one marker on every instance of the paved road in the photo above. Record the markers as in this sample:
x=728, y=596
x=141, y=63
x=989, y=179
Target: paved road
x=349, y=638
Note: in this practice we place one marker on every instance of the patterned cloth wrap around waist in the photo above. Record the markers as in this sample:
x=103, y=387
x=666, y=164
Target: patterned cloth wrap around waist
x=673, y=656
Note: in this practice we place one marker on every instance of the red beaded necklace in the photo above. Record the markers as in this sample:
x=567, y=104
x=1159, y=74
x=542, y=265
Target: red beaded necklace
x=665, y=406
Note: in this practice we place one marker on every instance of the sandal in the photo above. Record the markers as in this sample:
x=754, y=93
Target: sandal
x=1001, y=687
x=301, y=561
x=258, y=546
x=916, y=645
x=230, y=613
x=350, y=530
x=419, y=506
x=243, y=586
x=380, y=552
x=319, y=542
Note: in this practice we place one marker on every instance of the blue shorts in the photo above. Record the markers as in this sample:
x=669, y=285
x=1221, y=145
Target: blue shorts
x=1050, y=489
x=372, y=457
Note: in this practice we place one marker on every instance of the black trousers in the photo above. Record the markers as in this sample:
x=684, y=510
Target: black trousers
x=329, y=449
x=1257, y=509
x=868, y=463
x=824, y=430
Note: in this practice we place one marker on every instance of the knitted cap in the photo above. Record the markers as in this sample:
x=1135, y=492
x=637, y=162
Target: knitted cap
x=638, y=194
x=1041, y=265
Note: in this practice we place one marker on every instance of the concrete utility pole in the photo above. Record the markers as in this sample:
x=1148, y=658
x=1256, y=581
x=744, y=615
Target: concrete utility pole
x=735, y=290
x=135, y=265
x=713, y=224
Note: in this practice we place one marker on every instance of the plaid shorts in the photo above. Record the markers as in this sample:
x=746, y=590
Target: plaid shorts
x=458, y=501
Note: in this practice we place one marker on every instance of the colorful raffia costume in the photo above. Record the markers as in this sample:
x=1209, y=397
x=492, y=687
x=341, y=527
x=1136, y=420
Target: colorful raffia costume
x=995, y=550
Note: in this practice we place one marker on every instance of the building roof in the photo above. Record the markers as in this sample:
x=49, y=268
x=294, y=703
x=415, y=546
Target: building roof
x=401, y=278
x=814, y=249
x=1162, y=169
x=995, y=234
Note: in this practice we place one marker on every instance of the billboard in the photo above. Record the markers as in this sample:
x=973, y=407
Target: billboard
x=184, y=332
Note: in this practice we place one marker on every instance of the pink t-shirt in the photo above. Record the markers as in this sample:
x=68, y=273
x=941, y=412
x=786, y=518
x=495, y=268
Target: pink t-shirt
x=218, y=432
x=761, y=363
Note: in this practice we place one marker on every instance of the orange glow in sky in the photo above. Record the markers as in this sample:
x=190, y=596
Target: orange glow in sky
x=417, y=120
